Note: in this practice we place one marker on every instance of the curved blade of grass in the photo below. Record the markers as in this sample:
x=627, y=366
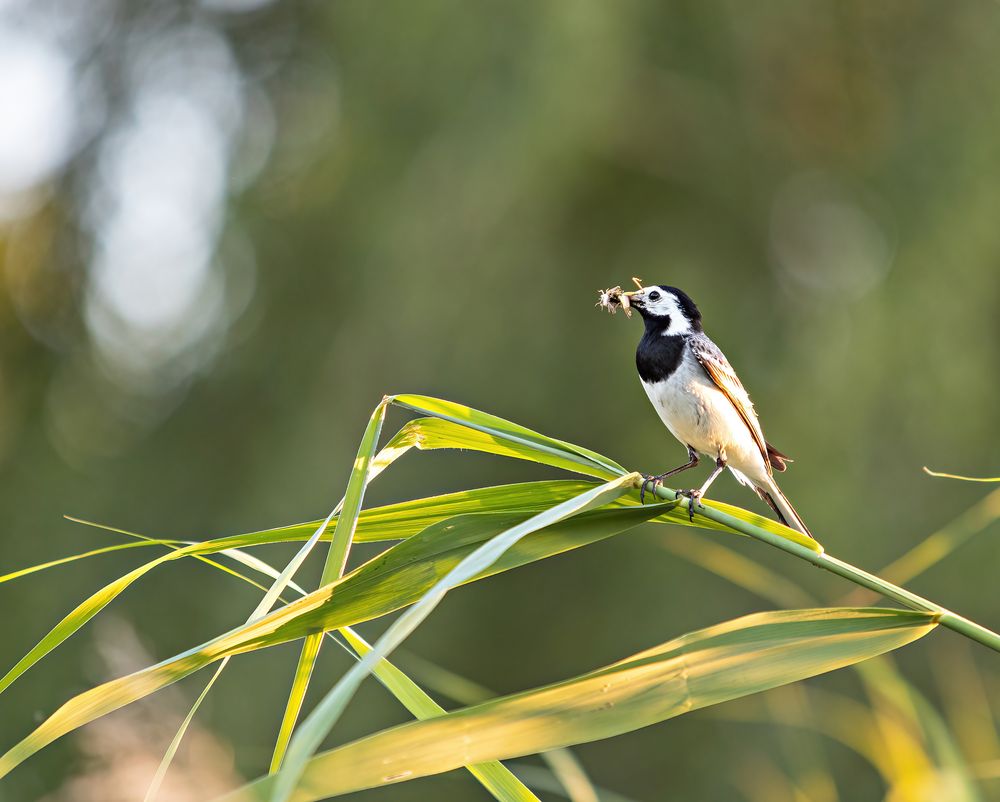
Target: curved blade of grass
x=272, y=594
x=497, y=779
x=333, y=569
x=390, y=522
x=87, y=609
x=347, y=521
x=374, y=589
x=321, y=720
x=498, y=427
x=991, y=479
x=81, y=614
x=703, y=668
x=296, y=696
x=402, y=574
x=257, y=565
x=282, y=580
x=493, y=776
x=428, y=434
x=339, y=547
x=340, y=544
x=395, y=520
x=447, y=433
x=96, y=602
x=175, y=742
x=399, y=521
x=82, y=555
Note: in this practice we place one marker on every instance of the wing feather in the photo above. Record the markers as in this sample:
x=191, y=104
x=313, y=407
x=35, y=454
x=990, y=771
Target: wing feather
x=721, y=372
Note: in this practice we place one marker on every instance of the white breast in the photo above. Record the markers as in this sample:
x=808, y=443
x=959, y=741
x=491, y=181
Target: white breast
x=700, y=415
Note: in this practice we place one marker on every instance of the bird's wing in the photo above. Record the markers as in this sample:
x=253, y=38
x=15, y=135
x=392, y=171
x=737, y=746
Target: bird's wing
x=721, y=372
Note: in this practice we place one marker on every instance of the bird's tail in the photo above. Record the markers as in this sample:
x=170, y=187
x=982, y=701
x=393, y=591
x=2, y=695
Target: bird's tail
x=782, y=507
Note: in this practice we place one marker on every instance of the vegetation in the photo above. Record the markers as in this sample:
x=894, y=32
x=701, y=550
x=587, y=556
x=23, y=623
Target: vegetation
x=444, y=542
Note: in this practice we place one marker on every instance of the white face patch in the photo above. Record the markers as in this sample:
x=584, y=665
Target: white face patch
x=665, y=304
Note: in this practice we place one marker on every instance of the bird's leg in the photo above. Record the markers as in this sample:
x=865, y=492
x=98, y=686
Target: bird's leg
x=695, y=496
x=653, y=481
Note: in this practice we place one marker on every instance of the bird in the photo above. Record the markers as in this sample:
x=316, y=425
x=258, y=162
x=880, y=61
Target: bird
x=701, y=400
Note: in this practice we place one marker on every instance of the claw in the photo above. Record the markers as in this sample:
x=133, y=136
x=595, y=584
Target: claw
x=651, y=482
x=694, y=497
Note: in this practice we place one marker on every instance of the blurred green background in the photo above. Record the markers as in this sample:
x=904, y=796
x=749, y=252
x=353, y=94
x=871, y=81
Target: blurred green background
x=227, y=228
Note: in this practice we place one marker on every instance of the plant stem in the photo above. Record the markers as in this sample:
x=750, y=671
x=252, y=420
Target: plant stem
x=944, y=616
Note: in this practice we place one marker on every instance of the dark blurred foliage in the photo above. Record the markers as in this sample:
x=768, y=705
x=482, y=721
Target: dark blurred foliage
x=227, y=228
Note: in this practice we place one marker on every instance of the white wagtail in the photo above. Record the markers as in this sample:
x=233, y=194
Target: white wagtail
x=700, y=398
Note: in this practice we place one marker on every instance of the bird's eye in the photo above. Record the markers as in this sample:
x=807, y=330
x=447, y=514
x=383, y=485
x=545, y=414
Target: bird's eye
x=654, y=296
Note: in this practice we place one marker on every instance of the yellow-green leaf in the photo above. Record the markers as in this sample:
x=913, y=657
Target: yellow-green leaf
x=387, y=582
x=703, y=668
x=504, y=429
x=482, y=559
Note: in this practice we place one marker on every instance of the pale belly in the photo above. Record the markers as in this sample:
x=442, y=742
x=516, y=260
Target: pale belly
x=700, y=415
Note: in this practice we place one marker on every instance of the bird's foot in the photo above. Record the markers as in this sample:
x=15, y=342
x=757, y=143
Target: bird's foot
x=694, y=497
x=651, y=482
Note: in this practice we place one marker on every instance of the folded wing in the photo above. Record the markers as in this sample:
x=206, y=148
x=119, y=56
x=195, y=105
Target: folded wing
x=722, y=374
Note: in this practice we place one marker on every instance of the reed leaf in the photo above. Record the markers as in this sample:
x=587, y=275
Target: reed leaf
x=390, y=522
x=81, y=556
x=737, y=658
x=493, y=776
x=388, y=582
x=430, y=434
x=481, y=560
x=333, y=569
x=339, y=546
x=399, y=521
x=498, y=427
x=498, y=780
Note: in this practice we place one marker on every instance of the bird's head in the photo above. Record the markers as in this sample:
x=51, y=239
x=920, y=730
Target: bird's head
x=666, y=309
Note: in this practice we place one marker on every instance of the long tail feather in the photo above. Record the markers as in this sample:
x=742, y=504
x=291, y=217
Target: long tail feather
x=782, y=507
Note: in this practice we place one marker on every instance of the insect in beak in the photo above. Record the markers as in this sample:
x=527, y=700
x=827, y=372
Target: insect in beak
x=614, y=298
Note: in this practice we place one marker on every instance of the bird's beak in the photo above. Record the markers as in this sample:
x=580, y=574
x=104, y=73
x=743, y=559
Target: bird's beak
x=635, y=298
